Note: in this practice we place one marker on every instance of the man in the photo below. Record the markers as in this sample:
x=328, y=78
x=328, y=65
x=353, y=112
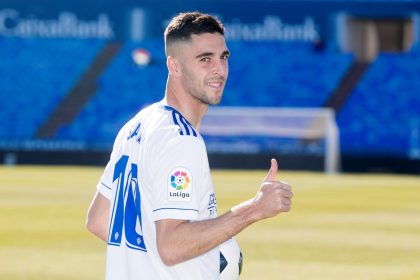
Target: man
x=155, y=204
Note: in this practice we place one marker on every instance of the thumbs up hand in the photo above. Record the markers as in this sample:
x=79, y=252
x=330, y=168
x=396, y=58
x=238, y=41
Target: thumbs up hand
x=272, y=173
x=274, y=196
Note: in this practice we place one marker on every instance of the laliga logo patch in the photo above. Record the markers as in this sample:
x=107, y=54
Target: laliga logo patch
x=179, y=185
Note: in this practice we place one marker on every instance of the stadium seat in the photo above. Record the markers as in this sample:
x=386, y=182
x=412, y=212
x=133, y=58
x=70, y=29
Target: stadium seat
x=35, y=75
x=124, y=88
x=285, y=74
x=383, y=111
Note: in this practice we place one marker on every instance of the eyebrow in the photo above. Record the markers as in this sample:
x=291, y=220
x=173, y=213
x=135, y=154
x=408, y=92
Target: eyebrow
x=204, y=54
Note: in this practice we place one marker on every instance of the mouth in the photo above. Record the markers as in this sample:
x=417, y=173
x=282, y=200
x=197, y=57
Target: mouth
x=216, y=84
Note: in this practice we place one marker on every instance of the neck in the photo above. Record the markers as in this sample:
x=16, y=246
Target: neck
x=191, y=108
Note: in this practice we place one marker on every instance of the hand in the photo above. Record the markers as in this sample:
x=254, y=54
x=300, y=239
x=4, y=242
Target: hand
x=274, y=196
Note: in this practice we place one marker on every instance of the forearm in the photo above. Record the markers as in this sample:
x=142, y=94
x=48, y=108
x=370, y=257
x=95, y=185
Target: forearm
x=99, y=231
x=97, y=217
x=180, y=241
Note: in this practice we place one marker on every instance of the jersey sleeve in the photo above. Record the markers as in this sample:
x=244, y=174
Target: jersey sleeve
x=178, y=179
x=105, y=183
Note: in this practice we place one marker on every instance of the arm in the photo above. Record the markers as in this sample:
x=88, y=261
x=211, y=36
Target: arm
x=180, y=240
x=98, y=215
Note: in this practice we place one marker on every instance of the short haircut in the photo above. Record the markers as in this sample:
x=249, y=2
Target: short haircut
x=182, y=26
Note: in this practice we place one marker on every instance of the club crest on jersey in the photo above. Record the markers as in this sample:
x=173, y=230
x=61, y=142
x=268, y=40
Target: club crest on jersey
x=179, y=184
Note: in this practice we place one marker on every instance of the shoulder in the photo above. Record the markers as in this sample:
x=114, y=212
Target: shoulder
x=176, y=133
x=167, y=123
x=176, y=119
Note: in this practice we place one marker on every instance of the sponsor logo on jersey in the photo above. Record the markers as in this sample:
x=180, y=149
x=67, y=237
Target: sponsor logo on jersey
x=179, y=184
x=212, y=206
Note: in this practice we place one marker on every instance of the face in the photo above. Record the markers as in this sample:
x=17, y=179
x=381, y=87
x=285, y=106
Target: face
x=204, y=67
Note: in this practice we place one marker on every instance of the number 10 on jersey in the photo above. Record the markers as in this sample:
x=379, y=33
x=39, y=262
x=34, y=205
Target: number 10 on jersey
x=126, y=211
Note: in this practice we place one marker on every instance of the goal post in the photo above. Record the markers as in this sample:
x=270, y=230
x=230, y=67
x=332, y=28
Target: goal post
x=316, y=126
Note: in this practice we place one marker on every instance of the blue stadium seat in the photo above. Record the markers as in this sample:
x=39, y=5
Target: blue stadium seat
x=286, y=74
x=35, y=75
x=123, y=89
x=384, y=109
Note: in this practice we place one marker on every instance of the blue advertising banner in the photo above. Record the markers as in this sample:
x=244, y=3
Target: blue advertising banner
x=136, y=19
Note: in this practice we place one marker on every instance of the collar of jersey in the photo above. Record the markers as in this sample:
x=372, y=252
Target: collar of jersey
x=169, y=108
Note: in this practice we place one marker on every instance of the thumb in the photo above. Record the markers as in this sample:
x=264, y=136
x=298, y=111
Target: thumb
x=272, y=173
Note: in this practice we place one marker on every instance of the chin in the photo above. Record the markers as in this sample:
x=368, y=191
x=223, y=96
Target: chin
x=216, y=101
x=218, y=98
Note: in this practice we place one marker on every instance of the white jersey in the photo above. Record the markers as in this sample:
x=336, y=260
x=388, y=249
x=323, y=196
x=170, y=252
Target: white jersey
x=158, y=170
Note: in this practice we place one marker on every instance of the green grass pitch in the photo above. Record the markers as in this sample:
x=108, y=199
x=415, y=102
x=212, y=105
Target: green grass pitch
x=351, y=226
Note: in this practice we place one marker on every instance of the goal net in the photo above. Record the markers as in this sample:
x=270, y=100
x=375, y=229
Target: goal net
x=252, y=130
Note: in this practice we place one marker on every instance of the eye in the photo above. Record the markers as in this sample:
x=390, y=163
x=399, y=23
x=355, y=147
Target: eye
x=205, y=59
x=225, y=57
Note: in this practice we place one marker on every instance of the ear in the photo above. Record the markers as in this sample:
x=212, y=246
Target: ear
x=173, y=65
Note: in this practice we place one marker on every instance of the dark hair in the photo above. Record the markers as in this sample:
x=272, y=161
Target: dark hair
x=182, y=26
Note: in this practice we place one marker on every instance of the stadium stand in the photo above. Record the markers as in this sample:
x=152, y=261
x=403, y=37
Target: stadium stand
x=383, y=112
x=35, y=75
x=380, y=117
x=283, y=82
x=124, y=88
x=284, y=74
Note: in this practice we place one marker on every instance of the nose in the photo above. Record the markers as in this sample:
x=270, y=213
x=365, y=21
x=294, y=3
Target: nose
x=220, y=68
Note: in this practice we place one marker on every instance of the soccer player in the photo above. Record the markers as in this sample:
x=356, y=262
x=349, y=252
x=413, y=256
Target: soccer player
x=155, y=204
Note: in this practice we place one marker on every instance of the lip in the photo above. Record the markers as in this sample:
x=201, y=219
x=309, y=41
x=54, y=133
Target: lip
x=215, y=84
